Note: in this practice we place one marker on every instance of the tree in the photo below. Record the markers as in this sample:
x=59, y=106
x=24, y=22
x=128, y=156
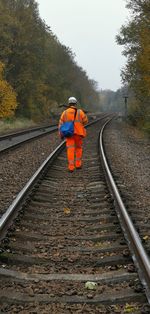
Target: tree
x=135, y=37
x=8, y=102
x=41, y=70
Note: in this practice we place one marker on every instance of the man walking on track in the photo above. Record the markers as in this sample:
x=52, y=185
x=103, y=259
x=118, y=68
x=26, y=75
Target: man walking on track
x=73, y=141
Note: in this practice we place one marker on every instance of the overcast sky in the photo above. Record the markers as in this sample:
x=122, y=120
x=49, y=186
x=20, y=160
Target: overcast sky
x=89, y=28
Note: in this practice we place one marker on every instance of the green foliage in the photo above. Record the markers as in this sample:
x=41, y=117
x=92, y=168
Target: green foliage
x=135, y=37
x=146, y=127
x=41, y=70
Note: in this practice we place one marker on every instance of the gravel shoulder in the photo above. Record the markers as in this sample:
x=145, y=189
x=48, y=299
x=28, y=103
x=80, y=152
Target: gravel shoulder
x=129, y=155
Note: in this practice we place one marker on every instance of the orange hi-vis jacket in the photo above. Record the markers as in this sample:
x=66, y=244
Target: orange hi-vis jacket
x=79, y=122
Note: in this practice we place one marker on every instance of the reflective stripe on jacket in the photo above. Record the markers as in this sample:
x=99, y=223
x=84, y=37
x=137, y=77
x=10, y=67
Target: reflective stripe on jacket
x=80, y=120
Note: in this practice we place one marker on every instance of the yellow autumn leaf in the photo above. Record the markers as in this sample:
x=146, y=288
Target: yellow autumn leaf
x=145, y=237
x=129, y=308
x=67, y=211
x=8, y=102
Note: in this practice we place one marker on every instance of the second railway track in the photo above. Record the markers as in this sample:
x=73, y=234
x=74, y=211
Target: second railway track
x=13, y=140
x=66, y=252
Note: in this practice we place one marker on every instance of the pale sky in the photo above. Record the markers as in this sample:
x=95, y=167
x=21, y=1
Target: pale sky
x=89, y=28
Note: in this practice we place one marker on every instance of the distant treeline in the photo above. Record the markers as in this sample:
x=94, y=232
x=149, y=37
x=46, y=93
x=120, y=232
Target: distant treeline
x=112, y=101
x=36, y=70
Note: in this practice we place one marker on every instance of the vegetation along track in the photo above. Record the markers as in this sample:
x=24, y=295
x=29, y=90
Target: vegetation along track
x=66, y=252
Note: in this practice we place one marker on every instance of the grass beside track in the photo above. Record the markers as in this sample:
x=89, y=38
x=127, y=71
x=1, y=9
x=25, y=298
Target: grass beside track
x=10, y=125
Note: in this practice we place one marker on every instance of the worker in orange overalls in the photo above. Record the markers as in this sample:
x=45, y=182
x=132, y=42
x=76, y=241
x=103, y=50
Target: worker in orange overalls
x=74, y=143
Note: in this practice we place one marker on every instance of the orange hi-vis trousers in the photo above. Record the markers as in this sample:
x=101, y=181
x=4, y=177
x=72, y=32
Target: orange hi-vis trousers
x=74, y=151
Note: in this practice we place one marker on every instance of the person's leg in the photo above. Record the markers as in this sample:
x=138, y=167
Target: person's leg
x=78, y=151
x=70, y=144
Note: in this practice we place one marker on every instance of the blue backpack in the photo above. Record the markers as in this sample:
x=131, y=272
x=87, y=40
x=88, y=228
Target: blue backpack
x=67, y=128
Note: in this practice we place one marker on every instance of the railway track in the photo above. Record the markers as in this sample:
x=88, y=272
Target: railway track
x=13, y=140
x=66, y=251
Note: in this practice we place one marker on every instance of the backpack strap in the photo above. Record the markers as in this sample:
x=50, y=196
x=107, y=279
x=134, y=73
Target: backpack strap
x=75, y=112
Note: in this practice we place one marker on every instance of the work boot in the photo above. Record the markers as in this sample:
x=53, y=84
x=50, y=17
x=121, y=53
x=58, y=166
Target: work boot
x=70, y=170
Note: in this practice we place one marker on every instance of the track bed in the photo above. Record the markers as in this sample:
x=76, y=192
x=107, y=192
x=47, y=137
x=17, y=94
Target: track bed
x=67, y=235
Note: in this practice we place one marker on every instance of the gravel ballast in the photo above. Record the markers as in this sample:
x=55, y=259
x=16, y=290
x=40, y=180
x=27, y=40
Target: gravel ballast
x=18, y=165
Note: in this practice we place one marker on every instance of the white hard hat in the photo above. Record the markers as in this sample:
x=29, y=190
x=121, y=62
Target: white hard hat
x=72, y=100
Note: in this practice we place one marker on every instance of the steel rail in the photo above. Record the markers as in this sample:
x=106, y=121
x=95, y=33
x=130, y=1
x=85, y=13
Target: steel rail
x=138, y=252
x=22, y=132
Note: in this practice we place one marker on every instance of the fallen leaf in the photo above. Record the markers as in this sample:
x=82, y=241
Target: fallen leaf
x=67, y=211
x=90, y=285
x=145, y=238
